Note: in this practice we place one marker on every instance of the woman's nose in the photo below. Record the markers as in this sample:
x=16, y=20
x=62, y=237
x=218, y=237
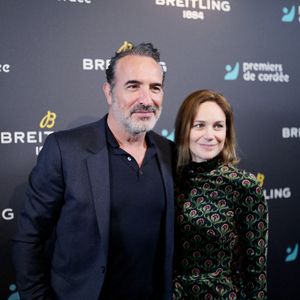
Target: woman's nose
x=208, y=134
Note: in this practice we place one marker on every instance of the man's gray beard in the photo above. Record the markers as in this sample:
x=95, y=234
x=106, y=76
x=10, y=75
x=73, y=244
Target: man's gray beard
x=140, y=126
x=137, y=127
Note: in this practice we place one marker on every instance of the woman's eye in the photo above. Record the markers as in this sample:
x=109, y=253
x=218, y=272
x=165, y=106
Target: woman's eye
x=198, y=125
x=219, y=126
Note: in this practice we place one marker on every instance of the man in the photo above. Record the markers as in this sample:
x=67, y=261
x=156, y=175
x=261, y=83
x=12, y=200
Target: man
x=102, y=194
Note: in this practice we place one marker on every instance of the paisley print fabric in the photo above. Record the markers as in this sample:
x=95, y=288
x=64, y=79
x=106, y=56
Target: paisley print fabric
x=221, y=234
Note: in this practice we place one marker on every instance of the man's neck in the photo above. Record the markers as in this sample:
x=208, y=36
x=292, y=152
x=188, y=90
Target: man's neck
x=134, y=144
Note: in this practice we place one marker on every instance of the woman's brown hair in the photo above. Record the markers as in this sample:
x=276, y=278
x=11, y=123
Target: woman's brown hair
x=185, y=118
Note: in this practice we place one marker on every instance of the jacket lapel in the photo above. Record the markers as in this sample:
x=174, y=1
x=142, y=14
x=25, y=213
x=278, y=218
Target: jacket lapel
x=98, y=169
x=98, y=172
x=164, y=152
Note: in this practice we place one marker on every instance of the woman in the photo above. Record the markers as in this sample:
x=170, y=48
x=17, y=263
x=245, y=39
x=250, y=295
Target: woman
x=221, y=214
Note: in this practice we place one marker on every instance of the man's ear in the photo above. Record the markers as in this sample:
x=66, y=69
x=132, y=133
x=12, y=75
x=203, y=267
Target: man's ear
x=107, y=92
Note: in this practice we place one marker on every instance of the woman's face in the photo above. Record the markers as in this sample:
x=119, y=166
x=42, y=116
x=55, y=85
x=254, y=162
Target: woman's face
x=208, y=132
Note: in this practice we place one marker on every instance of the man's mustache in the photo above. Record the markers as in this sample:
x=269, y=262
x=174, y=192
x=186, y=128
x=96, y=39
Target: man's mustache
x=144, y=108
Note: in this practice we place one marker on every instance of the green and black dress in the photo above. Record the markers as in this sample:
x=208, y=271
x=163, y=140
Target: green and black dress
x=221, y=234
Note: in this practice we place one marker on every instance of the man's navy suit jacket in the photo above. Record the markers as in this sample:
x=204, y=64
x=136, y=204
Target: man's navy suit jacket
x=68, y=202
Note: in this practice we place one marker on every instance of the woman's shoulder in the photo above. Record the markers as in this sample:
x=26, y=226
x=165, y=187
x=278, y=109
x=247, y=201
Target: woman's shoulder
x=238, y=176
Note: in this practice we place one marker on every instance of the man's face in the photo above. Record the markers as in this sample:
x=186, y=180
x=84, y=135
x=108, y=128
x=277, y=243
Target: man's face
x=135, y=101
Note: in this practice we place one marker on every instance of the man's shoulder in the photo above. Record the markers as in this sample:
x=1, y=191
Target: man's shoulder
x=82, y=130
x=164, y=147
x=88, y=136
x=160, y=140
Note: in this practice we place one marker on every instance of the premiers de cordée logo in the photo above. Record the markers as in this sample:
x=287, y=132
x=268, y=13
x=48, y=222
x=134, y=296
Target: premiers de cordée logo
x=290, y=14
x=4, y=68
x=257, y=71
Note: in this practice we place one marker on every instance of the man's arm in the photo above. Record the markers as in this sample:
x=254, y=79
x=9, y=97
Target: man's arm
x=36, y=223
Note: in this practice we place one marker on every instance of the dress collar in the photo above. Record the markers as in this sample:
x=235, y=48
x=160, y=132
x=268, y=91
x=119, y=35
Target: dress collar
x=203, y=167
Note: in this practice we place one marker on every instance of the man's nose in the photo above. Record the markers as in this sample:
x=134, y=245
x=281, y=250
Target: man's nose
x=145, y=97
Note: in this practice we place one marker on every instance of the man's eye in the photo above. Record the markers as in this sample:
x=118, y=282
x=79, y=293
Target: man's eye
x=132, y=86
x=156, y=89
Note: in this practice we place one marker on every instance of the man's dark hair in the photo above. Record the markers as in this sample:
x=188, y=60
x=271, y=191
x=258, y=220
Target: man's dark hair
x=143, y=49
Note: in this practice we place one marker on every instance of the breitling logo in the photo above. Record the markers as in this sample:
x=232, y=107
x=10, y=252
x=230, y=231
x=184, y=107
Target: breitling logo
x=125, y=46
x=195, y=9
x=260, y=179
x=35, y=137
x=101, y=64
x=48, y=120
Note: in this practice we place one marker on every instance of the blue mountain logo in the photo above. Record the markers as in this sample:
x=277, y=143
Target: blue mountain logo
x=169, y=136
x=288, y=15
x=232, y=72
x=15, y=295
x=292, y=253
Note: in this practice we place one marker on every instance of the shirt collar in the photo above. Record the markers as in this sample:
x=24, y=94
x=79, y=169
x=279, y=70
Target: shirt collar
x=112, y=141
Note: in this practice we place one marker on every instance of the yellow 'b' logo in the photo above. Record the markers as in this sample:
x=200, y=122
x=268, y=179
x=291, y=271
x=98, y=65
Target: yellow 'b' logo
x=260, y=179
x=48, y=120
x=125, y=46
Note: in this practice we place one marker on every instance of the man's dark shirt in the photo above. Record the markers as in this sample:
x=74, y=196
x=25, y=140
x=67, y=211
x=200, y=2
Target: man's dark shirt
x=136, y=225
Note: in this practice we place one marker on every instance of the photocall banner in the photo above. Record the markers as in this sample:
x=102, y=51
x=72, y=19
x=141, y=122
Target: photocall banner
x=53, y=56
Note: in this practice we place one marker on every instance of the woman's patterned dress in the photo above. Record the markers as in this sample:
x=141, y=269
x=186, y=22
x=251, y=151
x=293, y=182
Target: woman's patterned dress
x=221, y=234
